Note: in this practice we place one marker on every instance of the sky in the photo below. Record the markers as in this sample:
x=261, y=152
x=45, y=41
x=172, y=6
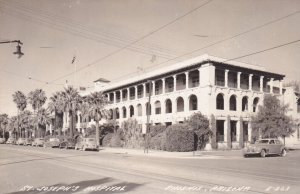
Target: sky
x=114, y=39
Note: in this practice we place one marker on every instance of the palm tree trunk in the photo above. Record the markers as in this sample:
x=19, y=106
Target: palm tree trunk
x=71, y=123
x=97, y=132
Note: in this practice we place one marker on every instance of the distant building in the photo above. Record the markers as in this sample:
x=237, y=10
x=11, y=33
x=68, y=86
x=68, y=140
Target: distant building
x=229, y=90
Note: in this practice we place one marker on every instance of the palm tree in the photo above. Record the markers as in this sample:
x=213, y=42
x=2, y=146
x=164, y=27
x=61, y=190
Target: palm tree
x=26, y=123
x=42, y=118
x=3, y=123
x=70, y=101
x=20, y=99
x=37, y=99
x=56, y=105
x=96, y=102
x=13, y=125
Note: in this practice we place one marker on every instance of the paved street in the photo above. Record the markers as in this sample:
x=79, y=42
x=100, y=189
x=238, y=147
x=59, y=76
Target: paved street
x=39, y=170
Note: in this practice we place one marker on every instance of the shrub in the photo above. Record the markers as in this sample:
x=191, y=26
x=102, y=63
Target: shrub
x=156, y=129
x=106, y=140
x=200, y=125
x=179, y=138
x=117, y=139
x=133, y=137
x=158, y=142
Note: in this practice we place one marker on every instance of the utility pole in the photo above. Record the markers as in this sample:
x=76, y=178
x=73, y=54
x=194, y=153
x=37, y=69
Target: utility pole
x=148, y=118
x=18, y=51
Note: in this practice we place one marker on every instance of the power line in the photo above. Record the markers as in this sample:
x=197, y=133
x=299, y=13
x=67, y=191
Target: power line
x=77, y=29
x=262, y=51
x=139, y=39
x=27, y=77
x=219, y=42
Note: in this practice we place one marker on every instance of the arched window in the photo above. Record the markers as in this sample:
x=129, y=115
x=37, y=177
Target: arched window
x=168, y=106
x=124, y=112
x=180, y=104
x=193, y=102
x=232, y=103
x=220, y=102
x=245, y=103
x=255, y=104
x=131, y=111
x=157, y=107
x=139, y=109
x=117, y=113
x=111, y=114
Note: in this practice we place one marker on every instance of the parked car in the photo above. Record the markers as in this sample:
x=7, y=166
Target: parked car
x=37, y=142
x=28, y=141
x=265, y=147
x=52, y=142
x=11, y=140
x=86, y=144
x=68, y=143
x=2, y=140
x=21, y=141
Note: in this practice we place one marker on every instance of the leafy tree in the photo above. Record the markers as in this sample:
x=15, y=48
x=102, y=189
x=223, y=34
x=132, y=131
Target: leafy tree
x=271, y=120
x=20, y=99
x=70, y=103
x=3, y=123
x=37, y=99
x=200, y=125
x=56, y=105
x=96, y=102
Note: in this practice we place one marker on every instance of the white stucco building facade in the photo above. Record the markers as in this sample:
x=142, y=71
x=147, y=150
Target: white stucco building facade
x=229, y=91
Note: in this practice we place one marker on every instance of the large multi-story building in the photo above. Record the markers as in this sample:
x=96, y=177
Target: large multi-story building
x=229, y=91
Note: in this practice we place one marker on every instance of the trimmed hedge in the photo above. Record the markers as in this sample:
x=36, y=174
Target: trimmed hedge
x=179, y=138
x=156, y=129
x=158, y=142
x=106, y=140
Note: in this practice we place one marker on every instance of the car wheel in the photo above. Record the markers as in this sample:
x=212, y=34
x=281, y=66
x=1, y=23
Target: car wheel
x=283, y=153
x=263, y=153
x=245, y=156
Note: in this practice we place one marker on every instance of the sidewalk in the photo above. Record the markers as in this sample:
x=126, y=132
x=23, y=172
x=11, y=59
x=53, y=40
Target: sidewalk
x=164, y=154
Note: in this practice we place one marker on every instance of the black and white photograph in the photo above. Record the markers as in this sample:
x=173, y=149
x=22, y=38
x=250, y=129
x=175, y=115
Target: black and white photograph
x=149, y=96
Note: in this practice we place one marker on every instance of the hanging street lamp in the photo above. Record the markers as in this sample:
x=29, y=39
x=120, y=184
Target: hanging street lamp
x=18, y=51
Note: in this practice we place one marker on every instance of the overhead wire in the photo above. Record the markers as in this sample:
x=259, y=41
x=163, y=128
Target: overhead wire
x=218, y=42
x=78, y=29
x=132, y=43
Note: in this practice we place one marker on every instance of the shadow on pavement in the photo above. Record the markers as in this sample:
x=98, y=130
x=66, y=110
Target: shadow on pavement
x=89, y=187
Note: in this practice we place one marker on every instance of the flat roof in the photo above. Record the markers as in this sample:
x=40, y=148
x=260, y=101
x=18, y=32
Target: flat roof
x=186, y=64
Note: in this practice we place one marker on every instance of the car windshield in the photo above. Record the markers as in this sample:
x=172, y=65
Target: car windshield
x=263, y=141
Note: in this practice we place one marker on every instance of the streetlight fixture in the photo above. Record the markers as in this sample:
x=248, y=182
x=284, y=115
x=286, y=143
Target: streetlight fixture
x=18, y=51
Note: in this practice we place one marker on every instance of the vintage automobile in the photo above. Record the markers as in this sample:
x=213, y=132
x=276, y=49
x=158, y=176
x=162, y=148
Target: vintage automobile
x=11, y=140
x=37, y=142
x=265, y=147
x=28, y=141
x=67, y=144
x=86, y=144
x=2, y=140
x=21, y=141
x=52, y=142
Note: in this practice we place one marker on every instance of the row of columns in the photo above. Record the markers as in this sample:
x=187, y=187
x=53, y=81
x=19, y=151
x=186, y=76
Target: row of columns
x=250, y=82
x=153, y=88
